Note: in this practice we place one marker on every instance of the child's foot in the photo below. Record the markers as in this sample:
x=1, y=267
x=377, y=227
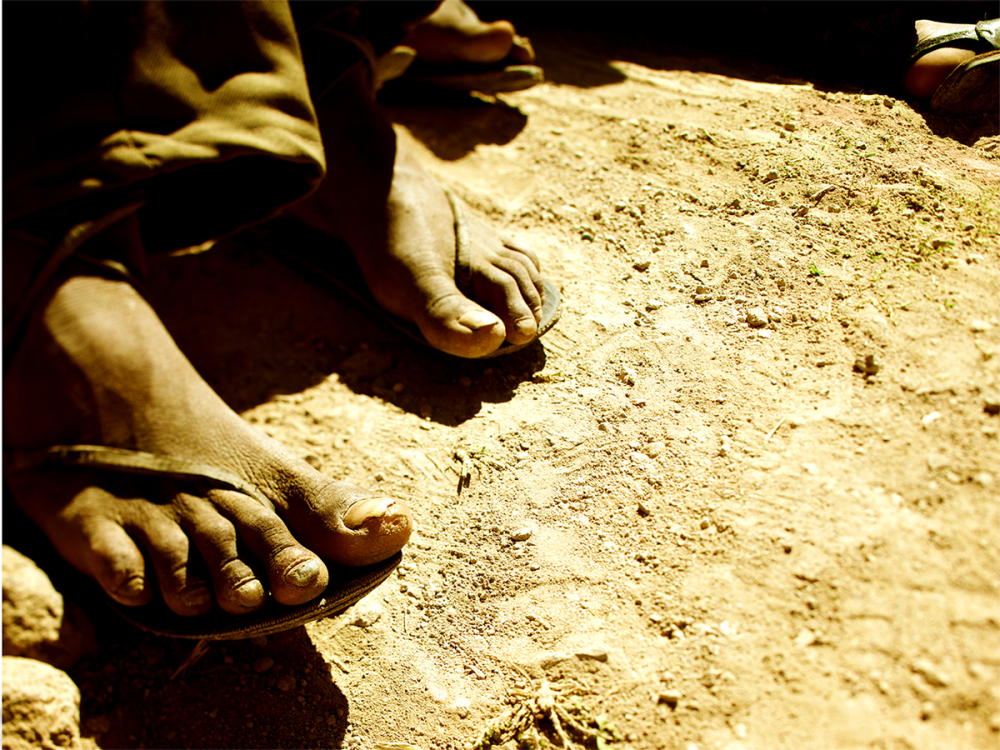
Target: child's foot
x=454, y=33
x=399, y=224
x=97, y=367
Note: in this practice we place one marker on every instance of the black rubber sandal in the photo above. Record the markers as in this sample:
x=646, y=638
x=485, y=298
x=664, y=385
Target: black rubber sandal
x=974, y=86
x=347, y=585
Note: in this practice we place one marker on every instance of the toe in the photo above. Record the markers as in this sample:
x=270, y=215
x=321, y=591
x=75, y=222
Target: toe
x=238, y=590
x=352, y=526
x=186, y=592
x=295, y=574
x=116, y=563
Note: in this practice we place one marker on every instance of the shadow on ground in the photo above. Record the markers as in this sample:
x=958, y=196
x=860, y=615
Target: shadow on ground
x=255, y=328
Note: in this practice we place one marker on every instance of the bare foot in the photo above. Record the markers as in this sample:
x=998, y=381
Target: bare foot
x=930, y=70
x=454, y=33
x=98, y=367
x=399, y=224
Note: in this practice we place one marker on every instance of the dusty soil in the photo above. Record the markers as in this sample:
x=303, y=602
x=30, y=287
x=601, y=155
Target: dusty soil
x=737, y=539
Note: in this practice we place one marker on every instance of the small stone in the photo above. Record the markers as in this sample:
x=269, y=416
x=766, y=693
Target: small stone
x=628, y=375
x=888, y=103
x=642, y=265
x=926, y=710
x=979, y=326
x=331, y=720
x=991, y=404
x=286, y=682
x=669, y=698
x=756, y=317
x=41, y=706
x=866, y=365
x=704, y=524
x=462, y=707
x=366, y=612
x=521, y=535
x=702, y=298
x=805, y=638
x=654, y=448
x=995, y=722
x=704, y=263
x=263, y=664
x=983, y=478
x=931, y=673
x=37, y=622
x=654, y=304
x=642, y=509
x=259, y=641
x=597, y=653
x=465, y=381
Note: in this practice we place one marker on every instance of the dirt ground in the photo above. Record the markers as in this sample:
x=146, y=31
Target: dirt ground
x=744, y=495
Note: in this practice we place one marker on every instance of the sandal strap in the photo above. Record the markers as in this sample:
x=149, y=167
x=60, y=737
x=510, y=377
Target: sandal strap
x=131, y=462
x=984, y=37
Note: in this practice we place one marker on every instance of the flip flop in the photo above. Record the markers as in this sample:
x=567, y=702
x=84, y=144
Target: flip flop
x=347, y=585
x=320, y=255
x=401, y=63
x=974, y=86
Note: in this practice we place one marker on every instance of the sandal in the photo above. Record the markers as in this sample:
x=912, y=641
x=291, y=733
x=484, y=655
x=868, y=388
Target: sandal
x=336, y=264
x=974, y=86
x=347, y=585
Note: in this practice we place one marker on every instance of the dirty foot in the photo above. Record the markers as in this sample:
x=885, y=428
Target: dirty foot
x=97, y=367
x=454, y=33
x=400, y=226
x=930, y=70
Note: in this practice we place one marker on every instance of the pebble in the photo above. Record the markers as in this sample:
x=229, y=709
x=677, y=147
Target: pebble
x=702, y=297
x=628, y=375
x=926, y=710
x=465, y=381
x=41, y=706
x=979, y=326
x=37, y=622
x=756, y=317
x=263, y=664
x=991, y=404
x=995, y=722
x=654, y=304
x=931, y=673
x=366, y=613
x=642, y=509
x=462, y=707
x=669, y=698
x=597, y=653
x=642, y=265
x=521, y=535
x=286, y=682
x=983, y=479
x=805, y=638
x=259, y=641
x=654, y=448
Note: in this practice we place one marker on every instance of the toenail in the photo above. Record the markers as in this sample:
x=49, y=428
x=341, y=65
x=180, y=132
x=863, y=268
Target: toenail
x=476, y=319
x=304, y=574
x=196, y=596
x=250, y=593
x=527, y=326
x=134, y=586
x=361, y=511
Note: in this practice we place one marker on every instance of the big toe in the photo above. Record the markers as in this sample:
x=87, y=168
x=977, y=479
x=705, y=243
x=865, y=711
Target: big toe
x=456, y=325
x=352, y=526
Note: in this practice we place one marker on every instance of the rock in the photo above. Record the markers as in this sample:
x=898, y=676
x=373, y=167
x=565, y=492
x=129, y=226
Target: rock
x=669, y=698
x=805, y=638
x=628, y=375
x=259, y=641
x=700, y=298
x=642, y=509
x=866, y=365
x=931, y=673
x=286, y=682
x=991, y=404
x=642, y=264
x=654, y=448
x=41, y=706
x=263, y=664
x=366, y=612
x=979, y=326
x=654, y=304
x=37, y=622
x=462, y=707
x=756, y=317
x=521, y=535
x=597, y=653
